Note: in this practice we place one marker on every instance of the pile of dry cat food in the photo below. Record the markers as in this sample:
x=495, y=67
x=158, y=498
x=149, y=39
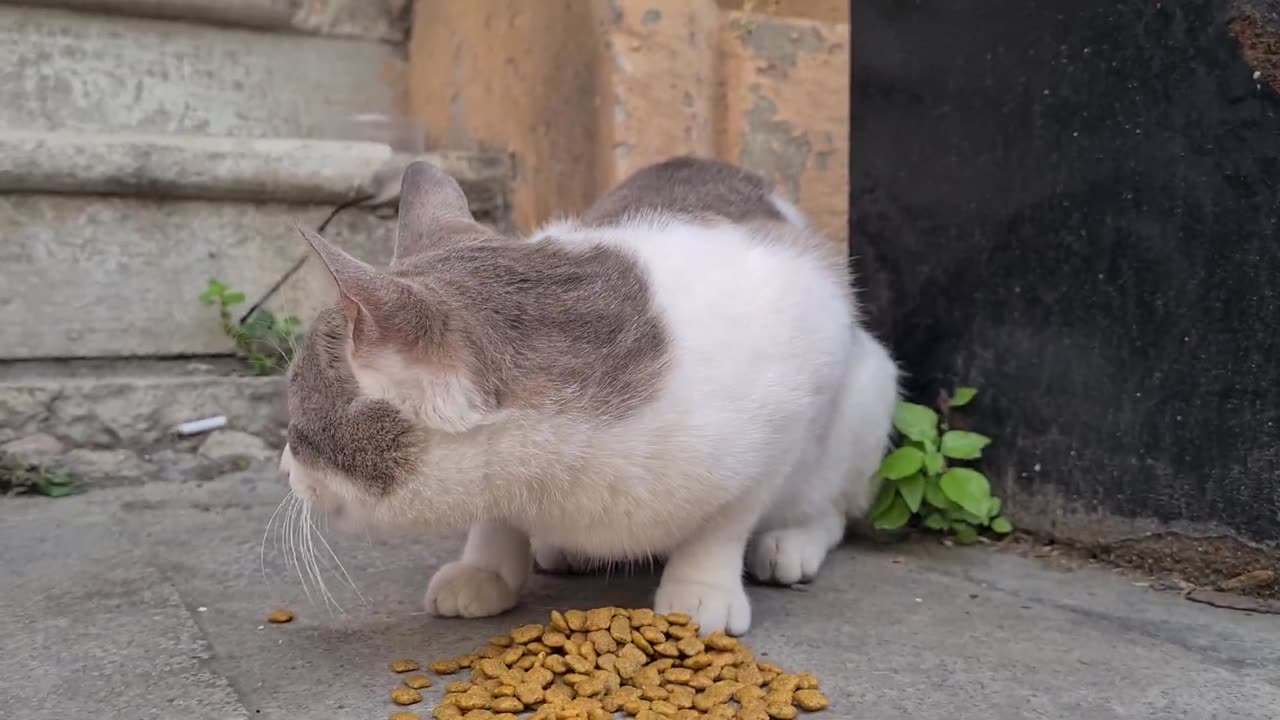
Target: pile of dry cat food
x=589, y=665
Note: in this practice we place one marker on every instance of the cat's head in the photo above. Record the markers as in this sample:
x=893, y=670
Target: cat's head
x=387, y=363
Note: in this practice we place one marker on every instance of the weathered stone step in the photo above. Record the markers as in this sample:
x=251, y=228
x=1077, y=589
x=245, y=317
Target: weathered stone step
x=67, y=70
x=385, y=20
x=117, y=273
x=115, y=421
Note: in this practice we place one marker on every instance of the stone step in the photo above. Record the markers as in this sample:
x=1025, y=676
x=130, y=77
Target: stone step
x=67, y=70
x=384, y=20
x=116, y=420
x=116, y=273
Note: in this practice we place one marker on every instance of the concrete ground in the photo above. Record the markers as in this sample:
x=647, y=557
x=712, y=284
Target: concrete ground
x=149, y=602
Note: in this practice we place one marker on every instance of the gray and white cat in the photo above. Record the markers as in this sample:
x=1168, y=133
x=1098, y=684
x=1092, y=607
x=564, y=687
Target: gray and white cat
x=679, y=373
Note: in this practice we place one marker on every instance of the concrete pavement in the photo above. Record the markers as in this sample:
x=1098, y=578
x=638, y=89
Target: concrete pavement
x=149, y=602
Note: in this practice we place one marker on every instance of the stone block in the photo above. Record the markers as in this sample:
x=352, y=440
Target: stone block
x=63, y=70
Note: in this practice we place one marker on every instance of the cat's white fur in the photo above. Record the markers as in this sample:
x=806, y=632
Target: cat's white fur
x=775, y=411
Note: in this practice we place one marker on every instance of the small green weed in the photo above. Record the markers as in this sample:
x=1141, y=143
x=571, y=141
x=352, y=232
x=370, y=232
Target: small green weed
x=923, y=478
x=18, y=478
x=266, y=342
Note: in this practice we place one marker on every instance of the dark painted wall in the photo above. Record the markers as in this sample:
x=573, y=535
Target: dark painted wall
x=1075, y=205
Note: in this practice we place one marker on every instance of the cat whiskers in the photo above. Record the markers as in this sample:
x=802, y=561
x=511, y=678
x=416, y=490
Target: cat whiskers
x=262, y=548
x=300, y=531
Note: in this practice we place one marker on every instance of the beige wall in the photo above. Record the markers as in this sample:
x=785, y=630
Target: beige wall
x=583, y=92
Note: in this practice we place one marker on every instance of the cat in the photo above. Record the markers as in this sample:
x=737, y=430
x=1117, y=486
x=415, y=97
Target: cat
x=680, y=373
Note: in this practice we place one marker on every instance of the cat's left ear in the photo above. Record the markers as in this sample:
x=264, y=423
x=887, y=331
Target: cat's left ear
x=430, y=202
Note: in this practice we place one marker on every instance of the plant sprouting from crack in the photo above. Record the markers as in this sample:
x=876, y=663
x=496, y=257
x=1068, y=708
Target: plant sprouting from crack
x=925, y=480
x=21, y=478
x=267, y=343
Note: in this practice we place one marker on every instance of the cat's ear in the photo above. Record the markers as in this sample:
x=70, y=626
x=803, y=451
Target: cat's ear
x=429, y=201
x=369, y=296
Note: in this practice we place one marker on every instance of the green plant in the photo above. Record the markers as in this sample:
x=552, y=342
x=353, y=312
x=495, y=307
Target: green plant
x=924, y=480
x=266, y=342
x=19, y=478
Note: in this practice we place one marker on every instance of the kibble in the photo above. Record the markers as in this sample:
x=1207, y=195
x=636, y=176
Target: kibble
x=587, y=665
x=405, y=696
x=404, y=716
x=280, y=616
x=417, y=682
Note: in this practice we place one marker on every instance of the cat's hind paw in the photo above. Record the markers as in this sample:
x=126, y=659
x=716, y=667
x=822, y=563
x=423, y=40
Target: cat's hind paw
x=787, y=557
x=460, y=589
x=556, y=561
x=714, y=607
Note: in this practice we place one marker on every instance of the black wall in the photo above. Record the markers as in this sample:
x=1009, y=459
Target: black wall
x=1075, y=205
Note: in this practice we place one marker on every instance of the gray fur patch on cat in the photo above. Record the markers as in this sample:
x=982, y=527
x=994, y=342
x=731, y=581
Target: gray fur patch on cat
x=330, y=425
x=691, y=187
x=533, y=326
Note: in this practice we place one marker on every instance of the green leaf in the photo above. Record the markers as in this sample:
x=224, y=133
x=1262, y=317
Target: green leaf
x=936, y=521
x=933, y=462
x=233, y=298
x=963, y=445
x=965, y=534
x=993, y=507
x=967, y=488
x=1002, y=525
x=964, y=516
x=912, y=491
x=934, y=495
x=916, y=422
x=55, y=485
x=963, y=396
x=901, y=462
x=894, y=516
x=887, y=493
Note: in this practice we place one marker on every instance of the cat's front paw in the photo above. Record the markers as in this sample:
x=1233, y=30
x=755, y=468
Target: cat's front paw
x=461, y=589
x=713, y=606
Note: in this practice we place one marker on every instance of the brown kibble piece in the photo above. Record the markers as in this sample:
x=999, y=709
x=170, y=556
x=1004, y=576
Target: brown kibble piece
x=506, y=704
x=680, y=632
x=679, y=619
x=526, y=633
x=720, y=641
x=598, y=619
x=559, y=622
x=444, y=667
x=579, y=664
x=667, y=649
x=405, y=696
x=806, y=681
x=589, y=687
x=404, y=666
x=404, y=716
x=575, y=619
x=559, y=694
x=417, y=682
x=653, y=635
x=280, y=616
x=620, y=629
x=641, y=617
x=458, y=686
x=446, y=712
x=691, y=646
x=654, y=692
x=663, y=708
x=603, y=641
x=678, y=675
x=811, y=700
x=554, y=639
x=512, y=656
x=500, y=641
x=529, y=693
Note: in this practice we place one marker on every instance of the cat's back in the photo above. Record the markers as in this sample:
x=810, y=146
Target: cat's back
x=692, y=187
